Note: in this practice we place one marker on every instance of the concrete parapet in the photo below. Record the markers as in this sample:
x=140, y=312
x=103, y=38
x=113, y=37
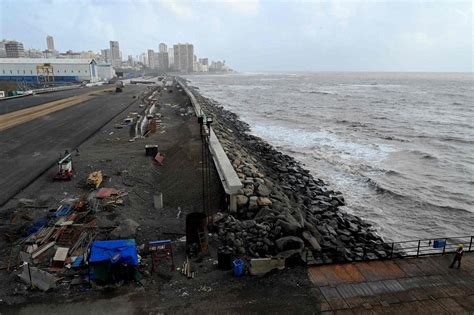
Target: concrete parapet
x=229, y=179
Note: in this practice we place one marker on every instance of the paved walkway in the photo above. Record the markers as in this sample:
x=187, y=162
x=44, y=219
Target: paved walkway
x=405, y=286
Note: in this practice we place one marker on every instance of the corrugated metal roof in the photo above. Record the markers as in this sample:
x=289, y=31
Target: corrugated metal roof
x=44, y=60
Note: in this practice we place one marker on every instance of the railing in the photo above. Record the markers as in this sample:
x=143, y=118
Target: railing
x=377, y=251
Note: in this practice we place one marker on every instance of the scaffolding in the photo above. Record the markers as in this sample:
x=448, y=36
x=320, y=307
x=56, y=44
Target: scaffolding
x=45, y=73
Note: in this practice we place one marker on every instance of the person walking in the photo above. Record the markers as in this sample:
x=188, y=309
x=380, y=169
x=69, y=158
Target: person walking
x=458, y=256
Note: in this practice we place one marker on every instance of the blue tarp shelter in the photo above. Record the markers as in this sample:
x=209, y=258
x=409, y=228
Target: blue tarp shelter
x=115, y=251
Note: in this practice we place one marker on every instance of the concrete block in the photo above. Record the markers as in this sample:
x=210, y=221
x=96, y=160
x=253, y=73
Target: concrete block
x=158, y=201
x=260, y=266
x=233, y=203
x=39, y=278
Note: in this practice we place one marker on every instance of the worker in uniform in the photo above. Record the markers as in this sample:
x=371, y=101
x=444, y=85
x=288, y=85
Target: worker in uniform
x=458, y=256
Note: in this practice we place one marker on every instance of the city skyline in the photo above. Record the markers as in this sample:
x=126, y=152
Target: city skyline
x=262, y=35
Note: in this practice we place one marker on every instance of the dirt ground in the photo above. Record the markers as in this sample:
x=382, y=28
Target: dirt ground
x=179, y=179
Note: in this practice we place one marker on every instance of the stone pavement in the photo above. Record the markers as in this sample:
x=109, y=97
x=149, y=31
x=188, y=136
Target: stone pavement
x=423, y=285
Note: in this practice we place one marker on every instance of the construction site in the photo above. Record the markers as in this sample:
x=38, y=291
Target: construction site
x=145, y=197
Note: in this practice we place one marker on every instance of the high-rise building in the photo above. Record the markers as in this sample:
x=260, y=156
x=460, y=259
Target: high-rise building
x=163, y=48
x=151, y=58
x=14, y=49
x=183, y=57
x=50, y=42
x=163, y=61
x=171, y=57
x=105, y=55
x=115, y=59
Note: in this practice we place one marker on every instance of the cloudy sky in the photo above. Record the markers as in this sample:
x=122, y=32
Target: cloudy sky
x=256, y=35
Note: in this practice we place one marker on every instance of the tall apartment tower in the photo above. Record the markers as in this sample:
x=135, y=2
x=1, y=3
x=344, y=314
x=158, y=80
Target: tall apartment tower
x=151, y=58
x=14, y=49
x=163, y=48
x=50, y=42
x=183, y=57
x=115, y=59
x=163, y=61
x=171, y=57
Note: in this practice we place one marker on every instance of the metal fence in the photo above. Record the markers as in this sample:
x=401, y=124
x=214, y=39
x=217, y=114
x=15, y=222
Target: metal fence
x=376, y=251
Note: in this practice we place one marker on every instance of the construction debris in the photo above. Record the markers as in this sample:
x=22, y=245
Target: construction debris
x=94, y=179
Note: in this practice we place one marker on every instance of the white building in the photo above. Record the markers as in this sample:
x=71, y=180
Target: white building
x=105, y=72
x=51, y=70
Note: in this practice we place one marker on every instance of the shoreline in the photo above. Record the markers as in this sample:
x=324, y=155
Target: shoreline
x=283, y=210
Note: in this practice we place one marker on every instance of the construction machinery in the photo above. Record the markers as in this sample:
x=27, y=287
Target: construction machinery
x=64, y=167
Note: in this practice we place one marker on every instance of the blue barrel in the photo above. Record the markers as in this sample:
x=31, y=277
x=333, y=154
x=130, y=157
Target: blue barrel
x=238, y=267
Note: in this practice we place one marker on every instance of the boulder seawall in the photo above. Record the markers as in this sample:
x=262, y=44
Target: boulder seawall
x=282, y=210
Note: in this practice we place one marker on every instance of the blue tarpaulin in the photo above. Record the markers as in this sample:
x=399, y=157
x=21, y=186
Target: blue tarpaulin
x=63, y=211
x=123, y=251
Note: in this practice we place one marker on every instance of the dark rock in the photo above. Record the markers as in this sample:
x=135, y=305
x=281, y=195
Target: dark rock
x=289, y=243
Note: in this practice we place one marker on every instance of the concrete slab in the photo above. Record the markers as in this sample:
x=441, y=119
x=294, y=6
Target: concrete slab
x=422, y=285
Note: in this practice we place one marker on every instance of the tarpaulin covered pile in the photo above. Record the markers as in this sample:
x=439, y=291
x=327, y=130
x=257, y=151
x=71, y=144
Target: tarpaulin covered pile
x=114, y=260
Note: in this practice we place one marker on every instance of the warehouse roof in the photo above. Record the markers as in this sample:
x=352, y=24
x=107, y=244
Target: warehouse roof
x=45, y=60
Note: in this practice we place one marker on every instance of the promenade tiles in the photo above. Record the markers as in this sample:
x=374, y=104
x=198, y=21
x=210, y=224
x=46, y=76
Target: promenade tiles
x=423, y=285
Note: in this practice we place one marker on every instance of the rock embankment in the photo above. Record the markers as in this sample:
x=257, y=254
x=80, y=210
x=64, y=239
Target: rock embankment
x=282, y=209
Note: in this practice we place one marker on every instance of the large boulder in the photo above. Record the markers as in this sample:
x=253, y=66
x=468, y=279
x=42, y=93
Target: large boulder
x=289, y=243
x=253, y=203
x=263, y=190
x=242, y=201
x=264, y=201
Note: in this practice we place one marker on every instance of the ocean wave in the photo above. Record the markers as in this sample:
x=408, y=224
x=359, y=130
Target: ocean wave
x=318, y=92
x=353, y=124
x=423, y=155
x=456, y=139
x=380, y=189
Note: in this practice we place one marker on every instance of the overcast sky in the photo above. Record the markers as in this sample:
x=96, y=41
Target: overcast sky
x=256, y=35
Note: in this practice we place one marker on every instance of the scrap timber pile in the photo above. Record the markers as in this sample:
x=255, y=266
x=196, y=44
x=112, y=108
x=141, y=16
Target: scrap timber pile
x=56, y=246
x=282, y=210
x=51, y=246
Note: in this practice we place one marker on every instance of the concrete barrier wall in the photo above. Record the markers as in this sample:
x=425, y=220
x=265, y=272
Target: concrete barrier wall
x=230, y=181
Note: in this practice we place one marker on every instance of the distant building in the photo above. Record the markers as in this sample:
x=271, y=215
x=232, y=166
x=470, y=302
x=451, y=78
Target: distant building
x=151, y=58
x=171, y=57
x=106, y=55
x=88, y=55
x=183, y=57
x=144, y=59
x=163, y=61
x=163, y=48
x=115, y=58
x=130, y=60
x=50, y=70
x=218, y=66
x=203, y=65
x=14, y=49
x=34, y=53
x=50, y=43
x=70, y=55
x=3, y=53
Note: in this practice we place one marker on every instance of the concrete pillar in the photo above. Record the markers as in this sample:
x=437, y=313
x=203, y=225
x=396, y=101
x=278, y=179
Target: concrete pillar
x=158, y=201
x=233, y=203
